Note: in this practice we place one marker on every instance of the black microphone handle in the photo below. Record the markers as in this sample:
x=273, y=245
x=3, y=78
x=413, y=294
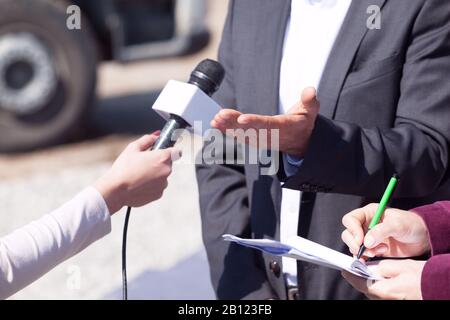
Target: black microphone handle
x=169, y=135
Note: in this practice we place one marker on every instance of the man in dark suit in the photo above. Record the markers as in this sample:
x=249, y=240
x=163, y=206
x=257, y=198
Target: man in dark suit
x=384, y=109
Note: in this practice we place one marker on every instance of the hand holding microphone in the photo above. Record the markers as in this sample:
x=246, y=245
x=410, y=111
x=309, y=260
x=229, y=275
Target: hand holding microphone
x=137, y=177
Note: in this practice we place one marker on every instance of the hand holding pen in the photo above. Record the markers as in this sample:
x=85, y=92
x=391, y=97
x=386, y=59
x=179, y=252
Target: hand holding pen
x=396, y=233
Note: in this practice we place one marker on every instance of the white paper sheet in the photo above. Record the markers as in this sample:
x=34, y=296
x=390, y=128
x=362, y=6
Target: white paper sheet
x=309, y=251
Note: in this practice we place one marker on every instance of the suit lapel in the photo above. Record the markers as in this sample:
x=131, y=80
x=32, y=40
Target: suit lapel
x=342, y=55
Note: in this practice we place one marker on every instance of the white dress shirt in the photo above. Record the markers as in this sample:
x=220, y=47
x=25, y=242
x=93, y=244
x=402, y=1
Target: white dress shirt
x=310, y=35
x=31, y=251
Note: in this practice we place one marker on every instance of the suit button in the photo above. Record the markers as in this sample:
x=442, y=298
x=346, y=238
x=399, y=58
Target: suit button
x=305, y=187
x=275, y=268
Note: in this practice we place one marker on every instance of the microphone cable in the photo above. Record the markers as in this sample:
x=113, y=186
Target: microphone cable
x=124, y=256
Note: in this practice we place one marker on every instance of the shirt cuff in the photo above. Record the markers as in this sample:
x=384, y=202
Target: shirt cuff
x=435, y=281
x=437, y=219
x=291, y=165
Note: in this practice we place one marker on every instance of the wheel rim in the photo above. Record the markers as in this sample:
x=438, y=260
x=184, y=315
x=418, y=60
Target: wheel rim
x=28, y=79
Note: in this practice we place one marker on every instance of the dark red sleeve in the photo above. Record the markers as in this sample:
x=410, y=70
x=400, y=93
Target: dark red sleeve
x=437, y=220
x=436, y=278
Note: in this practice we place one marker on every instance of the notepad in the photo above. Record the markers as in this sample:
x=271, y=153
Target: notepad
x=305, y=250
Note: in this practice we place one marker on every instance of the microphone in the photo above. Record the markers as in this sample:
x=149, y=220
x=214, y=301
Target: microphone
x=182, y=104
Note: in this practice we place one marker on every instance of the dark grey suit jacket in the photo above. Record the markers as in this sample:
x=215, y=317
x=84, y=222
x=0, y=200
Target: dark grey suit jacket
x=385, y=108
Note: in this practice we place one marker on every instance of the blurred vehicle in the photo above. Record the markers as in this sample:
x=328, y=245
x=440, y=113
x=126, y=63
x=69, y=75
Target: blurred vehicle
x=48, y=72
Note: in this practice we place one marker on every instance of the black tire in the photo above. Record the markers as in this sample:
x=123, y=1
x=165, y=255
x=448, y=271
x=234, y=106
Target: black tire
x=74, y=57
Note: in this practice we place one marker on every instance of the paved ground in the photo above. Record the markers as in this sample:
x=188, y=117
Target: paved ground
x=165, y=253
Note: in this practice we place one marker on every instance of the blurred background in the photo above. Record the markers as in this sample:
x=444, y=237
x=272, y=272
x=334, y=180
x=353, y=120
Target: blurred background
x=70, y=101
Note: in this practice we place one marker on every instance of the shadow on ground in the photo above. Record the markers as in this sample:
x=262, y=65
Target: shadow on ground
x=187, y=280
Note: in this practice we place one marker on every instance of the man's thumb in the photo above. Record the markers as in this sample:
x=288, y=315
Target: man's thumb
x=309, y=98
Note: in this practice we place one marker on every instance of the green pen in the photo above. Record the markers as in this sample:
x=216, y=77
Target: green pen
x=381, y=208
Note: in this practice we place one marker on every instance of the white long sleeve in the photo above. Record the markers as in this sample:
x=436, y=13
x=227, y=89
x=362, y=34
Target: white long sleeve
x=31, y=251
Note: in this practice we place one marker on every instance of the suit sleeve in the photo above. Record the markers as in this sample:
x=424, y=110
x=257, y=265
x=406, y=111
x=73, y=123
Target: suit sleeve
x=348, y=159
x=31, y=251
x=236, y=272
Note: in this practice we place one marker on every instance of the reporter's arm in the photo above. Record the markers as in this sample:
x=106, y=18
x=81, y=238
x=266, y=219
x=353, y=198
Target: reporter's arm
x=435, y=282
x=136, y=178
x=31, y=251
x=437, y=220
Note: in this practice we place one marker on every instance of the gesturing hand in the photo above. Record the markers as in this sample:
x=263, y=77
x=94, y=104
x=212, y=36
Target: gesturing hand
x=295, y=127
